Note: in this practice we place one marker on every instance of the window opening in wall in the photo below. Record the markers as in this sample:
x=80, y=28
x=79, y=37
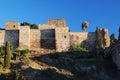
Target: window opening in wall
x=64, y=36
x=13, y=26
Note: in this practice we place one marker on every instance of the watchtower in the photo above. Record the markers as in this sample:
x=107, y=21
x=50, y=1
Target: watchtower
x=12, y=25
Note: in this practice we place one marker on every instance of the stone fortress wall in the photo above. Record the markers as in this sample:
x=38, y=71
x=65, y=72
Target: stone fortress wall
x=85, y=39
x=53, y=35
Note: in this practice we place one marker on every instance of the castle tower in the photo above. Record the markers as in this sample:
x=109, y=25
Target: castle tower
x=106, y=37
x=12, y=25
x=12, y=33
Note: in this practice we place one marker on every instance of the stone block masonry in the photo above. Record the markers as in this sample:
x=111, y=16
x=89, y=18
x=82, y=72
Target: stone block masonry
x=13, y=37
x=53, y=35
x=24, y=38
x=84, y=39
x=2, y=37
x=35, y=39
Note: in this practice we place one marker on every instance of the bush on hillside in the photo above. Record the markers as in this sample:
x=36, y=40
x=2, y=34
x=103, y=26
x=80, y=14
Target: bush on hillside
x=79, y=48
x=7, y=57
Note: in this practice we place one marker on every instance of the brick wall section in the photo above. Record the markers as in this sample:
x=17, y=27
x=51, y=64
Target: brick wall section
x=85, y=39
x=62, y=39
x=34, y=39
x=2, y=37
x=24, y=37
x=12, y=26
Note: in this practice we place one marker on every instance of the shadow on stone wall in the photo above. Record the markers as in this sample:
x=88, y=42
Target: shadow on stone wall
x=47, y=40
x=13, y=37
x=89, y=43
x=84, y=40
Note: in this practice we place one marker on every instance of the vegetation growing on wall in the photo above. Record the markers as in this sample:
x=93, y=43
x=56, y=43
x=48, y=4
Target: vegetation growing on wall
x=32, y=26
x=79, y=48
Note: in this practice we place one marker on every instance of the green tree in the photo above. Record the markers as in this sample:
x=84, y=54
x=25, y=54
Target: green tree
x=8, y=52
x=32, y=26
x=113, y=40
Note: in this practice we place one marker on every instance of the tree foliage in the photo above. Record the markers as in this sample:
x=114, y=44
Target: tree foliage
x=113, y=40
x=7, y=57
x=84, y=25
x=32, y=26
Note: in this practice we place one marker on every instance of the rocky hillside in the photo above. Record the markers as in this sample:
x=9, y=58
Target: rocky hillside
x=64, y=66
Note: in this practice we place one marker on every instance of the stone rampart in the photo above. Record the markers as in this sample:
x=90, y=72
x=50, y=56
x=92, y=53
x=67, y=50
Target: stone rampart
x=34, y=39
x=2, y=37
x=13, y=37
x=24, y=37
x=84, y=39
x=62, y=39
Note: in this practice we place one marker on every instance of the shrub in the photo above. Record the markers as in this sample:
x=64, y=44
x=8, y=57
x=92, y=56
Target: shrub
x=1, y=61
x=16, y=74
x=24, y=52
x=2, y=50
x=19, y=53
x=7, y=57
x=79, y=48
x=26, y=60
x=1, y=67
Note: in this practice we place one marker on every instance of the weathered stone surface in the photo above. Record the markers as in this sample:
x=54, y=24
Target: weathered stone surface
x=57, y=22
x=53, y=35
x=47, y=39
x=106, y=37
x=2, y=37
x=62, y=39
x=24, y=37
x=13, y=37
x=12, y=26
x=85, y=39
x=34, y=39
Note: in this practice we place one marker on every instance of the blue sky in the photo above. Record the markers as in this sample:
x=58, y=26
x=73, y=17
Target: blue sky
x=101, y=13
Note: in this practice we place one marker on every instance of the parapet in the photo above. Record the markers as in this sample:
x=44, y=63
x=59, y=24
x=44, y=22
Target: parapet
x=57, y=22
x=12, y=25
